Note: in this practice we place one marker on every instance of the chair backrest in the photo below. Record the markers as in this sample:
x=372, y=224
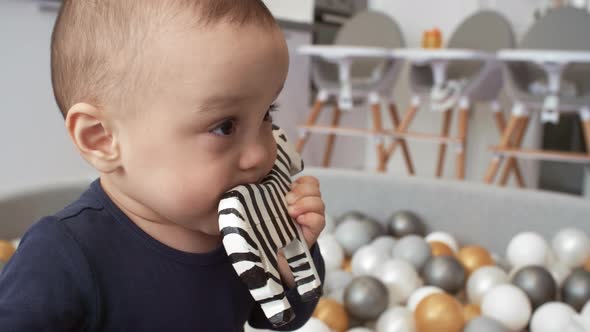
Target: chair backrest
x=367, y=28
x=487, y=31
x=564, y=28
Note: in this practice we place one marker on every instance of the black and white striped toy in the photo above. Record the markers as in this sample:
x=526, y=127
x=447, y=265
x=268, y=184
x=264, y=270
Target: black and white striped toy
x=255, y=224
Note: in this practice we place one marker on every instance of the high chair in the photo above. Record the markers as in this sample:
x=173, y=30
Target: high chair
x=465, y=73
x=554, y=52
x=366, y=74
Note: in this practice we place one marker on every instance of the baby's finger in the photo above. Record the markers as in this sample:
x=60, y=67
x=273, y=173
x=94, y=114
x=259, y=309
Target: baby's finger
x=312, y=220
x=301, y=191
x=307, y=180
x=307, y=204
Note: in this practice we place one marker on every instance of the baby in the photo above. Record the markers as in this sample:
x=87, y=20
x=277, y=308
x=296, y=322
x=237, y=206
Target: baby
x=171, y=101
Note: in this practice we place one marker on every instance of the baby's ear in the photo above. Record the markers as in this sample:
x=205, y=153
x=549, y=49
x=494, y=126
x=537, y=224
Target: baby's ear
x=90, y=132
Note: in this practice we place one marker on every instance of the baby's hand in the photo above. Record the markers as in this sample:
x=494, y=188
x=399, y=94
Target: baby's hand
x=307, y=207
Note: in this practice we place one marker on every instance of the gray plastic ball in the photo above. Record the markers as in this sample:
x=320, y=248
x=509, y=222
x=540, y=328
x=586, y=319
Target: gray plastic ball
x=352, y=234
x=537, y=283
x=444, y=272
x=376, y=228
x=576, y=289
x=413, y=249
x=484, y=324
x=351, y=215
x=366, y=298
x=404, y=223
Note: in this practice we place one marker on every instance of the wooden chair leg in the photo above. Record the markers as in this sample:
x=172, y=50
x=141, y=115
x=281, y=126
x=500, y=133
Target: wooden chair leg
x=512, y=162
x=500, y=121
x=497, y=160
x=501, y=124
x=463, y=127
x=336, y=113
x=404, y=125
x=442, y=148
x=586, y=130
x=312, y=118
x=402, y=142
x=378, y=126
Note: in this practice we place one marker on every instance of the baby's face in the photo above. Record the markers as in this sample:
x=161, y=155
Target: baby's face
x=204, y=127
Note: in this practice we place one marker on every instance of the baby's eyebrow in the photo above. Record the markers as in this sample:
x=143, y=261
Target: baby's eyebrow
x=222, y=101
x=216, y=102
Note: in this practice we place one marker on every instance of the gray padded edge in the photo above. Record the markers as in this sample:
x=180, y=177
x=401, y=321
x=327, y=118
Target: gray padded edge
x=474, y=213
x=20, y=210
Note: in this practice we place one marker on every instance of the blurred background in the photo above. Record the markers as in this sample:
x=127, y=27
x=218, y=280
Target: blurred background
x=36, y=150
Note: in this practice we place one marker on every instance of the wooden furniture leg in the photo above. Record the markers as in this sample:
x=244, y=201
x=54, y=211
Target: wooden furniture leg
x=402, y=142
x=442, y=148
x=463, y=127
x=378, y=126
x=504, y=142
x=312, y=118
x=512, y=162
x=336, y=113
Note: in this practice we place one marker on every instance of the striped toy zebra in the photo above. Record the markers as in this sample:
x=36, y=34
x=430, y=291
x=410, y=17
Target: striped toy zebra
x=255, y=224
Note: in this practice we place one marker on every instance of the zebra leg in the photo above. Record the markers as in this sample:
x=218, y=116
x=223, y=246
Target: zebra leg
x=307, y=281
x=258, y=274
x=272, y=297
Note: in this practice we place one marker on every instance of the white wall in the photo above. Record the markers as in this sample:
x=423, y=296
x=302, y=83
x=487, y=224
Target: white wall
x=35, y=147
x=293, y=10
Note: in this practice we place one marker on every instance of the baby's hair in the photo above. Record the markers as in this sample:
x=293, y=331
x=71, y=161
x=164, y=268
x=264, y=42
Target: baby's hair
x=97, y=45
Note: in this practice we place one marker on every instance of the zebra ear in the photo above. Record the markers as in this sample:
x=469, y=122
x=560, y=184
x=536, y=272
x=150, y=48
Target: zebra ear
x=289, y=148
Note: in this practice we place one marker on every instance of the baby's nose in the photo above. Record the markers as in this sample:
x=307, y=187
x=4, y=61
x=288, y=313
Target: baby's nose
x=254, y=157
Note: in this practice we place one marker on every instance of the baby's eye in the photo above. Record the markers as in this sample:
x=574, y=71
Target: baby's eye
x=226, y=128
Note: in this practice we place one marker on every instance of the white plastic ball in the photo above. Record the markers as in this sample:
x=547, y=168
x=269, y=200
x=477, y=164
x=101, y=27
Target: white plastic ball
x=527, y=248
x=384, y=243
x=586, y=310
x=352, y=234
x=482, y=280
x=337, y=295
x=330, y=225
x=445, y=238
x=508, y=305
x=560, y=272
x=577, y=324
x=331, y=251
x=571, y=246
x=583, y=319
x=337, y=279
x=401, y=279
x=413, y=249
x=419, y=294
x=366, y=259
x=314, y=325
x=551, y=317
x=360, y=329
x=397, y=319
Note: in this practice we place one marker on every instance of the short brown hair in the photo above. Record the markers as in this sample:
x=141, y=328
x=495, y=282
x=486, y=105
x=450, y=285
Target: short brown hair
x=96, y=44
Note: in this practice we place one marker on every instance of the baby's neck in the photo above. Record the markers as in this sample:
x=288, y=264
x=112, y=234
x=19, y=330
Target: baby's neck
x=169, y=234
x=178, y=237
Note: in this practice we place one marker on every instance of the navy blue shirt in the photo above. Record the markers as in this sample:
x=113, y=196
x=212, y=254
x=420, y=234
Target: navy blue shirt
x=90, y=268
